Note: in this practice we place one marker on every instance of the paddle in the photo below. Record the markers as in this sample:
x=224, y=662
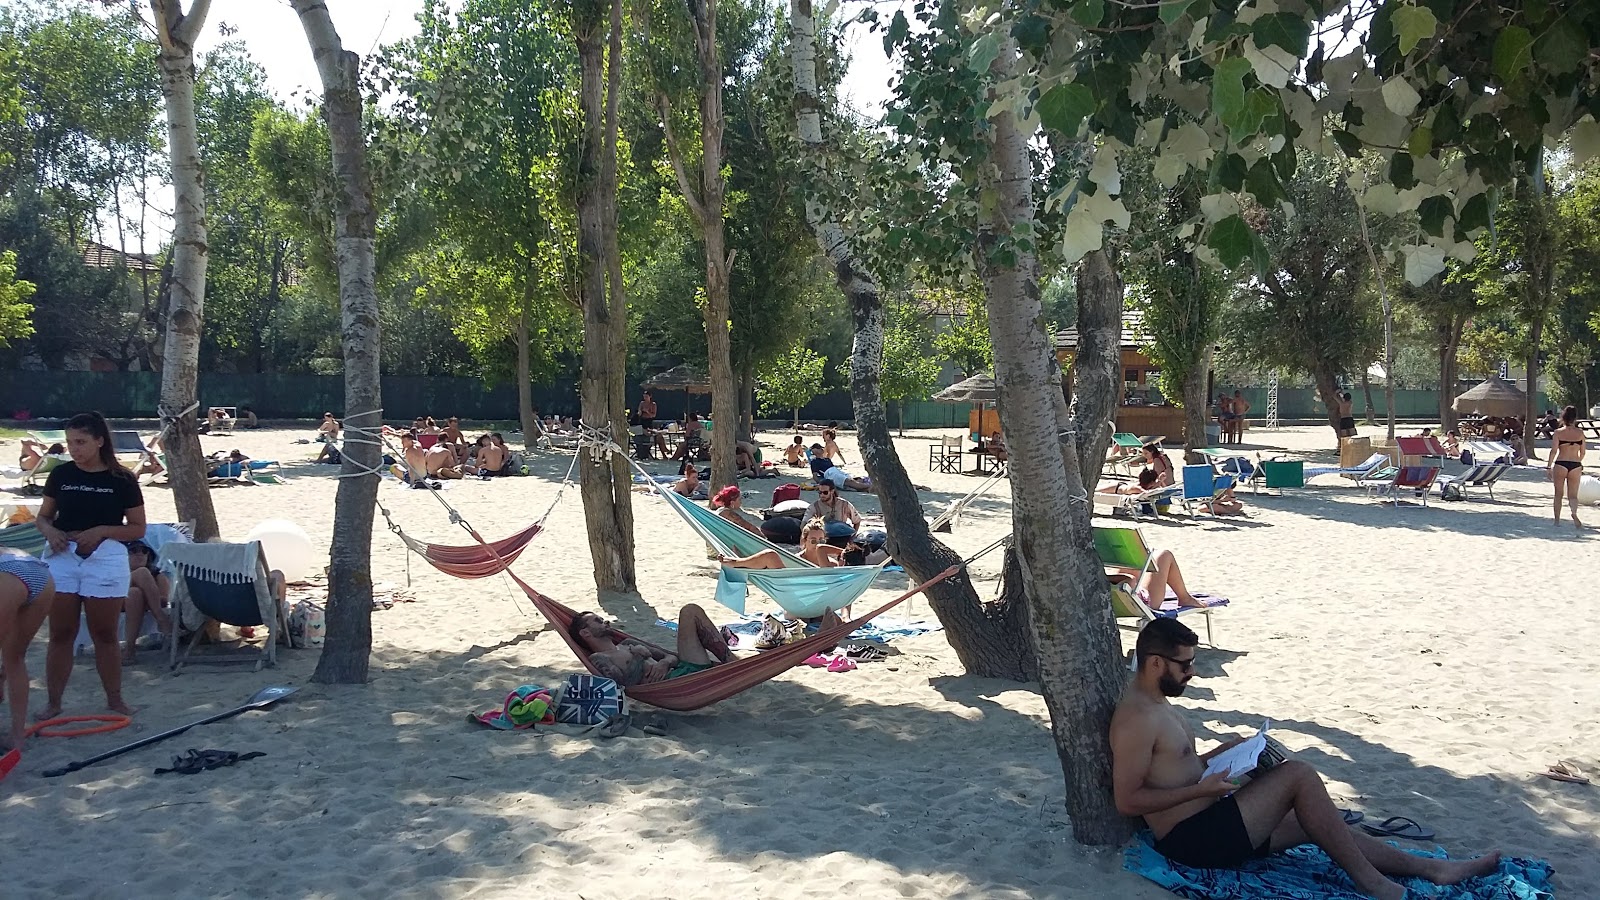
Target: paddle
x=262, y=699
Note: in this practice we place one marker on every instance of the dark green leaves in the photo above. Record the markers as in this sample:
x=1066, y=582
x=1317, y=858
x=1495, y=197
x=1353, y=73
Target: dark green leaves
x=1088, y=13
x=1433, y=212
x=984, y=51
x=1563, y=48
x=1227, y=90
x=1064, y=107
x=1232, y=239
x=1513, y=52
x=1400, y=172
x=1349, y=143
x=1287, y=30
x=898, y=29
x=1475, y=214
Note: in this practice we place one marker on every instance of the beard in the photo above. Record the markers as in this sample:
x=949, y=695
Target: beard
x=1172, y=687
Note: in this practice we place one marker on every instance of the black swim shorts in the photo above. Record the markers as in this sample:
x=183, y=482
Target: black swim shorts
x=1213, y=838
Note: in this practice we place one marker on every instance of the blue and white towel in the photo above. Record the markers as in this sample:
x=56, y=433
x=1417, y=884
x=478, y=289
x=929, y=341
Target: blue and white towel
x=880, y=630
x=1306, y=873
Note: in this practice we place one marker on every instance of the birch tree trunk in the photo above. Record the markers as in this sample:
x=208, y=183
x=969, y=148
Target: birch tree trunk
x=705, y=203
x=605, y=481
x=345, y=656
x=1074, y=634
x=180, y=365
x=992, y=640
x=530, y=434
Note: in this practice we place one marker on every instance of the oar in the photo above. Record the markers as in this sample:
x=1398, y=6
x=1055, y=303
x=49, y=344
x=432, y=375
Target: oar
x=262, y=699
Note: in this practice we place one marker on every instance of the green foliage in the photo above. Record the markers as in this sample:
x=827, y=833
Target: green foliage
x=789, y=381
x=15, y=310
x=910, y=371
x=964, y=341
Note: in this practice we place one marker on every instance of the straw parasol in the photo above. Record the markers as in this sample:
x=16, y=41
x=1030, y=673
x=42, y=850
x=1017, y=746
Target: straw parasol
x=680, y=378
x=978, y=389
x=1494, y=397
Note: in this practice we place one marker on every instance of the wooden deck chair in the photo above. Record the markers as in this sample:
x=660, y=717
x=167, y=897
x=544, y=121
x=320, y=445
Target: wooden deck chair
x=231, y=584
x=945, y=455
x=1483, y=476
x=1413, y=479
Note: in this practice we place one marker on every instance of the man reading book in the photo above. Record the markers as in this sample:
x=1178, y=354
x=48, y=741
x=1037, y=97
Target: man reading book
x=1213, y=822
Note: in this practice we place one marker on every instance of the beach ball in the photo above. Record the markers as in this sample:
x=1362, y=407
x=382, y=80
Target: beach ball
x=1589, y=490
x=287, y=546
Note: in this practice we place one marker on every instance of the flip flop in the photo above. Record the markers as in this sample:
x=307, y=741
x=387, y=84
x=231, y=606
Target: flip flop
x=842, y=664
x=1564, y=771
x=1353, y=816
x=818, y=661
x=1400, y=827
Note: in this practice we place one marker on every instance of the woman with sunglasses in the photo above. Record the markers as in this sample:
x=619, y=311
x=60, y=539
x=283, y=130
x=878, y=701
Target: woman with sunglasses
x=814, y=549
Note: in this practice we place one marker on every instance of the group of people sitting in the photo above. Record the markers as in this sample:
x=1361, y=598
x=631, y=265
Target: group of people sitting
x=1158, y=472
x=446, y=454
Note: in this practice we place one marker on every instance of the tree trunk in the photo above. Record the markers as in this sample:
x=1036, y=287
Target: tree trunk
x=180, y=370
x=605, y=484
x=1328, y=390
x=747, y=415
x=530, y=433
x=1194, y=408
x=345, y=656
x=1366, y=389
x=1097, y=365
x=1530, y=408
x=991, y=640
x=1448, y=418
x=1074, y=634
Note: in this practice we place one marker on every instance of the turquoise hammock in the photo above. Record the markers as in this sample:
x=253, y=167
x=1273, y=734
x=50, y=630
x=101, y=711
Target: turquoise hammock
x=801, y=588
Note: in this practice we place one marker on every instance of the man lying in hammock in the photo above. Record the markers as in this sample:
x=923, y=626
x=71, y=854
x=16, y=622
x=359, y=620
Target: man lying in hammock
x=628, y=661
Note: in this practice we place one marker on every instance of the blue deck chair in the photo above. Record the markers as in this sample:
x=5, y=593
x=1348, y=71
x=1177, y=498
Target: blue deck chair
x=1201, y=485
x=229, y=583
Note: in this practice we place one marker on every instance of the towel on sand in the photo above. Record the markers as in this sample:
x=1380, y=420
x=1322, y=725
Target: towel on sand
x=881, y=630
x=1306, y=872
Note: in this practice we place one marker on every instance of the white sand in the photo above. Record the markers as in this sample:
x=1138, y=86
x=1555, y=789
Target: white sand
x=1430, y=662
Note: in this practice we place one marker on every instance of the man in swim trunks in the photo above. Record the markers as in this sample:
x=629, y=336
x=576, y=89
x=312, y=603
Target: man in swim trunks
x=1215, y=823
x=629, y=661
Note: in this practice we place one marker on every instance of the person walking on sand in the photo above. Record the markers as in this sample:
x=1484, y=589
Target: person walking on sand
x=1212, y=822
x=1568, y=446
x=91, y=505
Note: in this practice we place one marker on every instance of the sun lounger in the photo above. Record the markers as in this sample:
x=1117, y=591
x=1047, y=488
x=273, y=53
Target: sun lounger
x=1483, y=476
x=1125, y=548
x=1487, y=452
x=1358, y=472
x=1125, y=604
x=1146, y=502
x=1412, y=479
x=1421, y=447
x=1125, y=449
x=1277, y=474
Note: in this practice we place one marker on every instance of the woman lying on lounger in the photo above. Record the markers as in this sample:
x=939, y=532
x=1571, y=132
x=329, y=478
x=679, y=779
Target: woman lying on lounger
x=1162, y=573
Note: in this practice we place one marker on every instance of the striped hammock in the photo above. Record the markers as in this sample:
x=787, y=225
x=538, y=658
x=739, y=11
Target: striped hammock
x=477, y=560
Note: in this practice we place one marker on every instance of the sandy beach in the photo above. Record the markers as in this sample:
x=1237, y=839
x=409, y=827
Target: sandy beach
x=1430, y=662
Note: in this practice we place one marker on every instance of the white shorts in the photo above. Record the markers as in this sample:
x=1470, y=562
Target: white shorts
x=104, y=575
x=836, y=475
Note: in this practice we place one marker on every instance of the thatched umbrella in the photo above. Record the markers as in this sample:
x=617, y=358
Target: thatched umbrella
x=680, y=378
x=979, y=389
x=1494, y=397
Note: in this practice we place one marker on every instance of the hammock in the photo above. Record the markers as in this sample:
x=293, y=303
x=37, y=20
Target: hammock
x=803, y=589
x=689, y=692
x=475, y=561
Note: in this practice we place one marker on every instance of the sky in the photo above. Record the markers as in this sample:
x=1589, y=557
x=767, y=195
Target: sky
x=271, y=32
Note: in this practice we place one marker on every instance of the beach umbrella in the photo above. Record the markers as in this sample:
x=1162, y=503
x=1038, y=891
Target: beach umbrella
x=979, y=389
x=680, y=378
x=1494, y=397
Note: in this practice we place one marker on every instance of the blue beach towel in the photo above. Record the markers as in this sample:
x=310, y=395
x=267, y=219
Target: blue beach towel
x=1306, y=873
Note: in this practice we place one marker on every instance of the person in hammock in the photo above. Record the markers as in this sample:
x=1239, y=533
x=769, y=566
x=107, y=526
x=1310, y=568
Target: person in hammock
x=814, y=548
x=727, y=505
x=629, y=661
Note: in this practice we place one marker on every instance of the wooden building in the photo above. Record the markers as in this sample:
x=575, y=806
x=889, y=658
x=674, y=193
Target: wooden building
x=1141, y=409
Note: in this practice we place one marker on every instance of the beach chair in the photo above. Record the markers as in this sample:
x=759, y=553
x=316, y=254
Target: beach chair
x=1125, y=548
x=1201, y=485
x=1422, y=447
x=128, y=443
x=33, y=481
x=229, y=583
x=1278, y=474
x=1414, y=479
x=1483, y=476
x=945, y=456
x=1357, y=472
x=1487, y=452
x=1125, y=604
x=1145, y=503
x=1125, y=449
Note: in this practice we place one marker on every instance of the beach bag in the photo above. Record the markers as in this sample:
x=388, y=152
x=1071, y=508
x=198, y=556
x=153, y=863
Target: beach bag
x=308, y=625
x=590, y=700
x=785, y=492
x=525, y=707
x=1450, y=490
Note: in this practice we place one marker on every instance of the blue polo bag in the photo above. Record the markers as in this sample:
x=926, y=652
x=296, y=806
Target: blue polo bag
x=590, y=700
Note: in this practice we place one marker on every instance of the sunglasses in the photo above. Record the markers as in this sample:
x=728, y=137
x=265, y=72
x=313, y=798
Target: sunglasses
x=1187, y=665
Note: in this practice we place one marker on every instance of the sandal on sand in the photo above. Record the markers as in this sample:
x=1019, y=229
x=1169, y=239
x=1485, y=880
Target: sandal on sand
x=842, y=664
x=818, y=661
x=1400, y=827
x=1566, y=771
x=1353, y=816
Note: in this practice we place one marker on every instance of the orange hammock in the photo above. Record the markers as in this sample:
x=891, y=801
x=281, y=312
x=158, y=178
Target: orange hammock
x=717, y=683
x=477, y=561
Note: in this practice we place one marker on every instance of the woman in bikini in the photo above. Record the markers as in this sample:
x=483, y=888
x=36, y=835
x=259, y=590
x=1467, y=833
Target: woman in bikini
x=1566, y=462
x=727, y=504
x=814, y=549
x=26, y=594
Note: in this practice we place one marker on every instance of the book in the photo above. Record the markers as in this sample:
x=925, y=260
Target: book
x=1240, y=759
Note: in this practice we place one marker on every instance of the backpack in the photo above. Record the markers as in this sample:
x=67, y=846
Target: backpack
x=1450, y=490
x=785, y=492
x=590, y=700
